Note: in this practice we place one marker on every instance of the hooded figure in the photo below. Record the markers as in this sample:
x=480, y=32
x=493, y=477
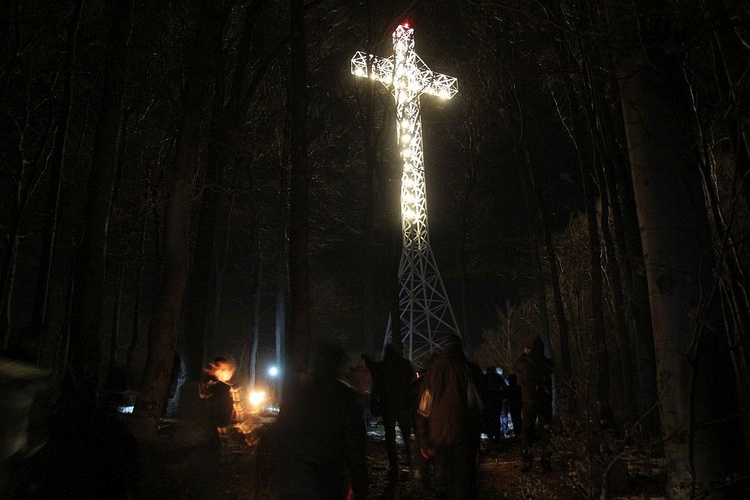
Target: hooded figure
x=449, y=419
x=534, y=372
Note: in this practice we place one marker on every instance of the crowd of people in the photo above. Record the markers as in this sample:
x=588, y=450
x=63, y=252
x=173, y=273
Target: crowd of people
x=320, y=436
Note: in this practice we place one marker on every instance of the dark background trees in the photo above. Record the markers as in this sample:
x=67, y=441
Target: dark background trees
x=207, y=177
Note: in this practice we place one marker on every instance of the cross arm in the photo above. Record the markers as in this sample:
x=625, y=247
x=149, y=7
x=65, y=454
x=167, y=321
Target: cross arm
x=380, y=68
x=441, y=85
x=433, y=83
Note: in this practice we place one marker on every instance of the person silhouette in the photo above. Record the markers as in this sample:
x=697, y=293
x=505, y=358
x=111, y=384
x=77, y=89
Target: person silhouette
x=449, y=420
x=319, y=437
x=396, y=377
x=534, y=372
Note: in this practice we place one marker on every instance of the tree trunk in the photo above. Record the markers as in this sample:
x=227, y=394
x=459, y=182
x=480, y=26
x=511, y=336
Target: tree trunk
x=299, y=269
x=140, y=258
x=470, y=177
x=59, y=146
x=166, y=312
x=226, y=117
x=255, y=321
x=281, y=284
x=368, y=215
x=636, y=286
x=8, y=276
x=584, y=150
x=677, y=248
x=613, y=271
x=90, y=267
x=114, y=337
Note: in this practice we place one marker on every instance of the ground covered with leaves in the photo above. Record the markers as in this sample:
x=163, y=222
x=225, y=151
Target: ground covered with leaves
x=246, y=473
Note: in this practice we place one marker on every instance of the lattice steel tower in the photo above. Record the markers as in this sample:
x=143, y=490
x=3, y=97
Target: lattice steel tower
x=426, y=314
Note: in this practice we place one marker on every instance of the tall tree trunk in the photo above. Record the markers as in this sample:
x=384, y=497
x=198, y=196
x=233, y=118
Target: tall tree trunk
x=199, y=303
x=726, y=18
x=226, y=117
x=281, y=285
x=299, y=184
x=166, y=312
x=59, y=148
x=470, y=176
x=538, y=232
x=255, y=320
x=368, y=215
x=636, y=284
x=140, y=264
x=598, y=120
x=114, y=336
x=8, y=276
x=90, y=265
x=613, y=272
x=584, y=150
x=26, y=176
x=676, y=244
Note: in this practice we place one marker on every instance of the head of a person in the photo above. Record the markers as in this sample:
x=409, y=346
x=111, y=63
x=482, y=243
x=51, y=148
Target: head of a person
x=221, y=367
x=453, y=344
x=329, y=358
x=491, y=370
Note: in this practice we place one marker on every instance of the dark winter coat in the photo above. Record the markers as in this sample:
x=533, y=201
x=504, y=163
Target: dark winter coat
x=534, y=372
x=220, y=404
x=320, y=440
x=395, y=377
x=454, y=414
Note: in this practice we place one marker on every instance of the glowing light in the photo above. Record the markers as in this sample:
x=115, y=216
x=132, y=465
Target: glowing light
x=273, y=371
x=256, y=397
x=222, y=369
x=408, y=77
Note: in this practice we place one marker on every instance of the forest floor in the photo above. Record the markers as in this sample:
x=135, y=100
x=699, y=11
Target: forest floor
x=246, y=474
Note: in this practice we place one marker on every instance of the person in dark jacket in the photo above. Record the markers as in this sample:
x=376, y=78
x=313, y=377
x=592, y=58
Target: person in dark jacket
x=534, y=372
x=395, y=377
x=449, y=420
x=218, y=392
x=320, y=437
x=515, y=403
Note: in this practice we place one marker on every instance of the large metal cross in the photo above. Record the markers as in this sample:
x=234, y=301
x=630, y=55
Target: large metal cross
x=426, y=315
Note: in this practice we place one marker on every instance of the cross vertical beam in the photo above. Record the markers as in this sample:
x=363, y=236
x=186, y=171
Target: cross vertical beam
x=427, y=318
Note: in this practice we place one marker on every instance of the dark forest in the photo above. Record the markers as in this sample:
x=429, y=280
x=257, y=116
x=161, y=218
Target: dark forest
x=192, y=178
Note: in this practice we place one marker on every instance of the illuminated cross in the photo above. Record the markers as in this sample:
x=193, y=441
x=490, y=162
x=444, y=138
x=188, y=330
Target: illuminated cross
x=426, y=314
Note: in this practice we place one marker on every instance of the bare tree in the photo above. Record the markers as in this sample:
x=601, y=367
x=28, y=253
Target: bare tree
x=166, y=310
x=299, y=185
